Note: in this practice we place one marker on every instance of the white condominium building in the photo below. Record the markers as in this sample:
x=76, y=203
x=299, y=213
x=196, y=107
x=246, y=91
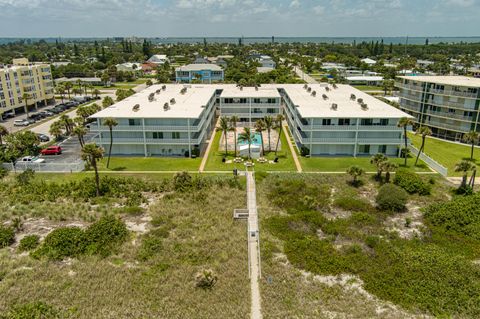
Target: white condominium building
x=449, y=105
x=23, y=77
x=176, y=120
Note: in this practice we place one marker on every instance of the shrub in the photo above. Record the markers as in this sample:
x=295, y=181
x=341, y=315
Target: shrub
x=412, y=183
x=152, y=244
x=29, y=242
x=205, y=279
x=25, y=177
x=7, y=236
x=352, y=204
x=35, y=310
x=304, y=151
x=3, y=172
x=103, y=236
x=391, y=198
x=182, y=181
x=61, y=243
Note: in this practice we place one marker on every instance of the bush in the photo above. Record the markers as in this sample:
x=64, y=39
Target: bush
x=352, y=204
x=103, y=236
x=25, y=177
x=391, y=198
x=205, y=279
x=152, y=244
x=29, y=242
x=61, y=243
x=182, y=181
x=304, y=151
x=7, y=236
x=35, y=310
x=412, y=183
x=3, y=172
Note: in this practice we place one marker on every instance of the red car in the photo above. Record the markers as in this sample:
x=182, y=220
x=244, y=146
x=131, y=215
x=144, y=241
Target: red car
x=52, y=150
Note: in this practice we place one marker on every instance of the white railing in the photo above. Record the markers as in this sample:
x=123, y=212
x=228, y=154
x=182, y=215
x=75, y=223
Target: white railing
x=442, y=170
x=46, y=167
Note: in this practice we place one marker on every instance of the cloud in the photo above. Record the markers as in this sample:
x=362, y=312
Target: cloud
x=461, y=3
x=295, y=4
x=319, y=9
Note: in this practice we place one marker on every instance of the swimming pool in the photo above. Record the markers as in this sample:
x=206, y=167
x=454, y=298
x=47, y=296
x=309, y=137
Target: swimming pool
x=256, y=140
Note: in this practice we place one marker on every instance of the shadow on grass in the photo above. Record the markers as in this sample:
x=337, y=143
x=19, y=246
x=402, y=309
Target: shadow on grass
x=119, y=169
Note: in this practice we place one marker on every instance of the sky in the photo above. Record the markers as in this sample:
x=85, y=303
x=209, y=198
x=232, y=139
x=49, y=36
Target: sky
x=233, y=18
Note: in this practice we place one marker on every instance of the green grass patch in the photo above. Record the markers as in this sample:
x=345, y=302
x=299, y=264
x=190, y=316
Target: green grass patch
x=214, y=161
x=172, y=164
x=340, y=164
x=446, y=153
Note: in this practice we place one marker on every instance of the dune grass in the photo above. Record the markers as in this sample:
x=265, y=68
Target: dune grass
x=172, y=164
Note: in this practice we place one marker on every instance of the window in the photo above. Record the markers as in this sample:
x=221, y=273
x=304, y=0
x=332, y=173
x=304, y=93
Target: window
x=382, y=149
x=384, y=122
x=326, y=122
x=366, y=122
x=175, y=135
x=270, y=110
x=134, y=122
x=451, y=110
x=157, y=135
x=364, y=149
x=343, y=121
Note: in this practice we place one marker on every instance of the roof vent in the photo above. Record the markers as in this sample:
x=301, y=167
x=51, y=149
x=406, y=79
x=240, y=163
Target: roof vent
x=325, y=97
x=151, y=97
x=353, y=97
x=164, y=87
x=360, y=100
x=183, y=90
x=327, y=88
x=256, y=87
x=305, y=86
x=136, y=107
x=309, y=89
x=172, y=101
x=364, y=106
x=158, y=91
x=241, y=87
x=334, y=106
x=314, y=93
x=166, y=106
x=334, y=85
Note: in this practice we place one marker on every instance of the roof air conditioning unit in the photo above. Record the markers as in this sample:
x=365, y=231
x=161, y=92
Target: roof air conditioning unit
x=327, y=89
x=164, y=87
x=305, y=86
x=183, y=90
x=353, y=97
x=172, y=101
x=151, y=97
x=314, y=93
x=166, y=106
x=325, y=97
x=136, y=107
x=334, y=86
x=334, y=106
x=364, y=106
x=158, y=91
x=360, y=100
x=309, y=89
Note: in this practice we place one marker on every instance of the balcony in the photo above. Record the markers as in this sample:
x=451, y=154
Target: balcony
x=119, y=140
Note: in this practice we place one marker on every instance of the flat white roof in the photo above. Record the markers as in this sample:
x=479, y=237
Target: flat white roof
x=316, y=107
x=199, y=67
x=454, y=80
x=188, y=105
x=232, y=91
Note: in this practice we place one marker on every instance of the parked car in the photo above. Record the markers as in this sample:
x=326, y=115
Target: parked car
x=21, y=123
x=52, y=150
x=46, y=113
x=30, y=120
x=43, y=137
x=8, y=115
x=32, y=159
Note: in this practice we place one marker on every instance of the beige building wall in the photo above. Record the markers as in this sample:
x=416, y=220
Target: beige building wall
x=20, y=78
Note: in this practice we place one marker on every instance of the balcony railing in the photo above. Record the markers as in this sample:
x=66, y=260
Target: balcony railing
x=119, y=140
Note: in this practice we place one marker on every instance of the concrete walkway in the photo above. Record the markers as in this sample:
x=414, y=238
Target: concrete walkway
x=253, y=247
x=304, y=76
x=209, y=146
x=292, y=149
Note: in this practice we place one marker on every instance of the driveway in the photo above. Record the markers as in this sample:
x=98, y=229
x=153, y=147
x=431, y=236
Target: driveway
x=71, y=150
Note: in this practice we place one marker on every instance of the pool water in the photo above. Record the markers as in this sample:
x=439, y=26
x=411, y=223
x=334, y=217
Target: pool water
x=256, y=140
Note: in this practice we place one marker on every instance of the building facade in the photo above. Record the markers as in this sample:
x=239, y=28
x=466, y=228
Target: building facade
x=23, y=77
x=204, y=73
x=176, y=120
x=449, y=105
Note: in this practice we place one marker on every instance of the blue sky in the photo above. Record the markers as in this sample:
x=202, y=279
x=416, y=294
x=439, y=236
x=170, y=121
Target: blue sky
x=170, y=18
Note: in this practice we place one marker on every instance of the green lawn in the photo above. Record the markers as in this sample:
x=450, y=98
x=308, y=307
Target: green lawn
x=340, y=164
x=368, y=87
x=214, y=162
x=150, y=164
x=446, y=153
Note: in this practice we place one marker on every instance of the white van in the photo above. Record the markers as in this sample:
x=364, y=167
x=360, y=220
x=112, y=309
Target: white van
x=21, y=123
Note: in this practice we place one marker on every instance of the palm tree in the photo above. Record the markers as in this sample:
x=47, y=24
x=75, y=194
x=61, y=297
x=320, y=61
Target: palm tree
x=96, y=93
x=93, y=153
x=246, y=136
x=472, y=138
x=224, y=128
x=464, y=167
x=424, y=131
x=56, y=129
x=259, y=128
x=3, y=132
x=67, y=122
x=279, y=120
x=377, y=160
x=355, y=171
x=233, y=121
x=110, y=122
x=61, y=91
x=80, y=131
x=68, y=86
x=387, y=167
x=80, y=83
x=269, y=125
x=107, y=101
x=26, y=97
x=404, y=122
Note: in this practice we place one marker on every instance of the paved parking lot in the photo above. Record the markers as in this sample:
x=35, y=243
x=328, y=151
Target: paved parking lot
x=71, y=150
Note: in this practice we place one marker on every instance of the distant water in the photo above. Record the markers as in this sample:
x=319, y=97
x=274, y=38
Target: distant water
x=249, y=40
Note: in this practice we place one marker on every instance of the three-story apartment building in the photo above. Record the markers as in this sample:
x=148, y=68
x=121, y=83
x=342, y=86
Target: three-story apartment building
x=202, y=72
x=175, y=120
x=23, y=77
x=449, y=105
